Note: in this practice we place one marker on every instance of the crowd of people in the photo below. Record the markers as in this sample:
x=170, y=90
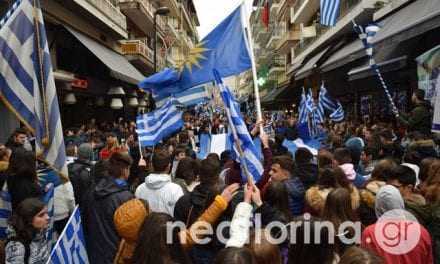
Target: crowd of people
x=156, y=206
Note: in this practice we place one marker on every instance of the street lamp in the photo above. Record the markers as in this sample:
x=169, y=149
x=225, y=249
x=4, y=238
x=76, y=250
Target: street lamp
x=161, y=11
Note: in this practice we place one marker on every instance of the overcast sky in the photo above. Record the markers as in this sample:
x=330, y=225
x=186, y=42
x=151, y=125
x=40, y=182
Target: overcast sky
x=212, y=12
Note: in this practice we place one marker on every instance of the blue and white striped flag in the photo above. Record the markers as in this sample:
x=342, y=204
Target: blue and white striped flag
x=249, y=158
x=190, y=97
x=329, y=12
x=154, y=126
x=70, y=247
x=327, y=102
x=302, y=108
x=5, y=210
x=26, y=79
x=331, y=105
x=48, y=198
x=366, y=36
x=338, y=114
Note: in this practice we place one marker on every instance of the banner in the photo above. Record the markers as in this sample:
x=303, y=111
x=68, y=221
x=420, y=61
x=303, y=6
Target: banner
x=428, y=71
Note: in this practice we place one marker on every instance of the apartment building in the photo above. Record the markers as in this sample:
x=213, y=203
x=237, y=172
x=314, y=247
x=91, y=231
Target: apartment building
x=101, y=49
x=315, y=54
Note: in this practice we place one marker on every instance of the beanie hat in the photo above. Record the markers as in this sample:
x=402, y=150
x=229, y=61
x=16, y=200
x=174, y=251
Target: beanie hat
x=85, y=151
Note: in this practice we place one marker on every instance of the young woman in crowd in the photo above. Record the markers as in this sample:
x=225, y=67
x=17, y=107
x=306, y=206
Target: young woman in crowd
x=368, y=194
x=22, y=177
x=187, y=174
x=329, y=179
x=357, y=255
x=26, y=242
x=338, y=210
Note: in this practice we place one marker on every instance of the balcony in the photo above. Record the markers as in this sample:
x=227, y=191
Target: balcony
x=187, y=20
x=282, y=8
x=172, y=27
x=138, y=53
x=172, y=5
x=304, y=10
x=274, y=38
x=287, y=41
x=107, y=14
x=359, y=10
x=274, y=7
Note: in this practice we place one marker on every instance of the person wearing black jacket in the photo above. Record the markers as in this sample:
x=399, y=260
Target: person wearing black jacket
x=305, y=170
x=81, y=172
x=99, y=207
x=22, y=177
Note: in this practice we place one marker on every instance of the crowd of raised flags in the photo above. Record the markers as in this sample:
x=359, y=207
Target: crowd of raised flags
x=313, y=114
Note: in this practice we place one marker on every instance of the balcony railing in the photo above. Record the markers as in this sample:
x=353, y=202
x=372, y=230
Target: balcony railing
x=345, y=8
x=110, y=11
x=137, y=47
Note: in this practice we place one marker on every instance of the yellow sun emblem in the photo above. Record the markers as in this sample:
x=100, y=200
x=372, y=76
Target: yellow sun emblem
x=193, y=57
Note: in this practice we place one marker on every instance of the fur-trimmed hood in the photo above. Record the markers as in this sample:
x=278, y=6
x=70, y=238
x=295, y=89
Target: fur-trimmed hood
x=316, y=197
x=368, y=195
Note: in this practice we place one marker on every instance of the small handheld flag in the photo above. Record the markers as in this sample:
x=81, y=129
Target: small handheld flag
x=71, y=247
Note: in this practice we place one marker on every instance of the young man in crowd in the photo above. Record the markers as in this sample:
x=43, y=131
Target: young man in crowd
x=281, y=171
x=158, y=188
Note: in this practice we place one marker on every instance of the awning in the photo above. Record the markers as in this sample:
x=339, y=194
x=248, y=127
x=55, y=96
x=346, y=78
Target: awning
x=119, y=66
x=307, y=69
x=385, y=66
x=273, y=95
x=409, y=22
x=269, y=96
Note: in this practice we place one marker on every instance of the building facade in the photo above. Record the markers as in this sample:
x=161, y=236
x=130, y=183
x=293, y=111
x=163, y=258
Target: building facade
x=313, y=54
x=101, y=49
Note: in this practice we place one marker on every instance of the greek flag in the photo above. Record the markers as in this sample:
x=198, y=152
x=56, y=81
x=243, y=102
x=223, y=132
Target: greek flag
x=190, y=97
x=154, y=126
x=302, y=108
x=49, y=200
x=5, y=210
x=338, y=114
x=27, y=85
x=331, y=105
x=249, y=154
x=326, y=101
x=70, y=247
x=366, y=36
x=329, y=12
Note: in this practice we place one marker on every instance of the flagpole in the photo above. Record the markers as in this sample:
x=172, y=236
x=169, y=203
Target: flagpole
x=254, y=68
x=45, y=138
x=237, y=145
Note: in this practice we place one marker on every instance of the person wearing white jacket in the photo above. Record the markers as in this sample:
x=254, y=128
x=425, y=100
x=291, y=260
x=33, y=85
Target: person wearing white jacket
x=158, y=188
x=64, y=203
x=241, y=221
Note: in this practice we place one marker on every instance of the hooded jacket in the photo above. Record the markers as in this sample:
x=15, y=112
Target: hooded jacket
x=368, y=198
x=316, y=198
x=99, y=207
x=388, y=199
x=160, y=192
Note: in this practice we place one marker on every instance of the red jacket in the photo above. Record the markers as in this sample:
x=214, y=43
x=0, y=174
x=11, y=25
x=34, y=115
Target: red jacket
x=420, y=254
